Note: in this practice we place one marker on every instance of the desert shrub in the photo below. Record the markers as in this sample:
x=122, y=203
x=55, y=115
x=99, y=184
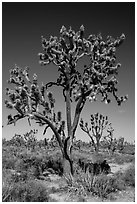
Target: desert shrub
x=20, y=166
x=37, y=163
x=104, y=185
x=56, y=164
x=129, y=149
x=121, y=158
x=8, y=162
x=11, y=176
x=81, y=186
x=86, y=180
x=32, y=172
x=6, y=191
x=30, y=191
x=7, y=182
x=129, y=176
x=101, y=185
x=29, y=166
x=6, y=176
x=9, y=157
x=118, y=184
x=52, y=160
x=96, y=168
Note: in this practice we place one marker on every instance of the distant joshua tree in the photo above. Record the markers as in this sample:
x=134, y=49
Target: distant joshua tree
x=28, y=139
x=96, y=78
x=110, y=141
x=95, y=131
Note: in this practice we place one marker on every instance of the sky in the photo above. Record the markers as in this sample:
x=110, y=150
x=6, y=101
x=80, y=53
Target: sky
x=23, y=24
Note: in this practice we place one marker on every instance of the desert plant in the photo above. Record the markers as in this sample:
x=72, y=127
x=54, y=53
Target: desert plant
x=104, y=185
x=9, y=163
x=95, y=132
x=30, y=191
x=129, y=176
x=128, y=149
x=18, y=140
x=43, y=143
x=27, y=140
x=120, y=159
x=9, y=157
x=109, y=141
x=97, y=78
x=35, y=164
x=30, y=139
x=85, y=184
x=81, y=185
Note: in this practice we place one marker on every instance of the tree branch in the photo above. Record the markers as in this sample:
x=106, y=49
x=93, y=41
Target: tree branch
x=53, y=83
x=86, y=129
x=36, y=115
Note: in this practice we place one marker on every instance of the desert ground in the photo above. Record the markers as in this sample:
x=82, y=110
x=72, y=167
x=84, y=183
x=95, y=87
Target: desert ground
x=31, y=175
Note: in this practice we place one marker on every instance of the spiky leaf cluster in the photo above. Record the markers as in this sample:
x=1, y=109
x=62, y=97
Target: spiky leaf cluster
x=27, y=97
x=65, y=50
x=97, y=78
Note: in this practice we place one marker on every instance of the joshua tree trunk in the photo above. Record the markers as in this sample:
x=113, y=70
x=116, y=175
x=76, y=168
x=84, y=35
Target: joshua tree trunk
x=67, y=159
x=67, y=163
x=97, y=146
x=71, y=127
x=65, y=149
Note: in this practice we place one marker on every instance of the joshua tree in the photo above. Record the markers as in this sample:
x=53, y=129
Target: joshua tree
x=96, y=78
x=17, y=140
x=95, y=132
x=110, y=141
x=30, y=139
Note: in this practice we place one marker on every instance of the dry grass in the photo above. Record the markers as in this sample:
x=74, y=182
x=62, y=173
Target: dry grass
x=24, y=191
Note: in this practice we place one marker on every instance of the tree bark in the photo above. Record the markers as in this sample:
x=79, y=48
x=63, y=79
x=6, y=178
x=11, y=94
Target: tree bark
x=68, y=163
x=66, y=149
x=67, y=158
x=97, y=146
x=78, y=110
x=68, y=167
x=36, y=115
